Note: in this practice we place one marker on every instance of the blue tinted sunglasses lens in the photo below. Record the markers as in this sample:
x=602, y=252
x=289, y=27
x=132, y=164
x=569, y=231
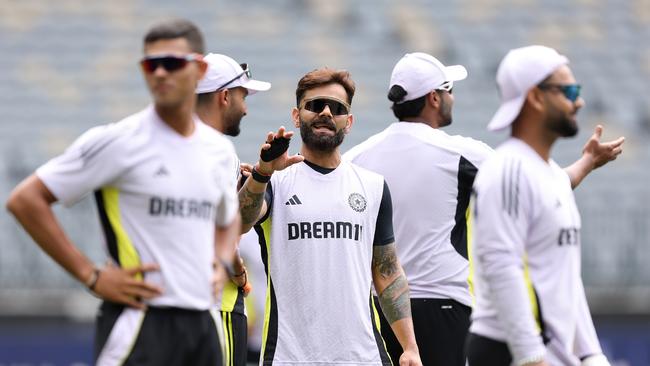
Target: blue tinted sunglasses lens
x=571, y=92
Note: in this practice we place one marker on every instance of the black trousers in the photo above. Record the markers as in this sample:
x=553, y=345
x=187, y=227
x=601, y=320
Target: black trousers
x=483, y=351
x=235, y=331
x=157, y=336
x=440, y=326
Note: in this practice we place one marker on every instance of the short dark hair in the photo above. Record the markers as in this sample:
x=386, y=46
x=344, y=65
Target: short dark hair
x=325, y=76
x=404, y=110
x=177, y=28
x=205, y=98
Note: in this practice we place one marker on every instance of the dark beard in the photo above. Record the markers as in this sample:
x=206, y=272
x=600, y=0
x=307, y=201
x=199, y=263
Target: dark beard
x=232, y=130
x=231, y=124
x=320, y=142
x=445, y=113
x=562, y=126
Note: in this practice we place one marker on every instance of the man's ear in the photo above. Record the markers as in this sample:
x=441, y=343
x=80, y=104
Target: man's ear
x=203, y=68
x=348, y=123
x=433, y=98
x=224, y=97
x=535, y=97
x=295, y=116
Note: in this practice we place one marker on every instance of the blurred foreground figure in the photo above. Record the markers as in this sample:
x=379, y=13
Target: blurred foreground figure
x=160, y=226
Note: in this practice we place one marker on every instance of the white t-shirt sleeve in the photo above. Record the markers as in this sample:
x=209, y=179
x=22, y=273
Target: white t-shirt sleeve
x=94, y=160
x=503, y=213
x=228, y=206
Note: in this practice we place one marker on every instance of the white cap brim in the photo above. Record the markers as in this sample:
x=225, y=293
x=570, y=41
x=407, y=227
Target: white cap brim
x=254, y=86
x=455, y=73
x=506, y=114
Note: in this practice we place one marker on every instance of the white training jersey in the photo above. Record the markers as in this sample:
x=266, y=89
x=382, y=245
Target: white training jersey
x=525, y=257
x=430, y=175
x=159, y=196
x=318, y=236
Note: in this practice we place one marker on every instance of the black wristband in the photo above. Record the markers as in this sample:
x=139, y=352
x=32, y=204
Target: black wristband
x=260, y=177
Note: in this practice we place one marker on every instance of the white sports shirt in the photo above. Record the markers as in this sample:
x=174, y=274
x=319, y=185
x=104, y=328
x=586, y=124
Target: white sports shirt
x=526, y=259
x=159, y=196
x=430, y=175
x=319, y=234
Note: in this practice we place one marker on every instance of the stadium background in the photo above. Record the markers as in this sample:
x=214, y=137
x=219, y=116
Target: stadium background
x=68, y=65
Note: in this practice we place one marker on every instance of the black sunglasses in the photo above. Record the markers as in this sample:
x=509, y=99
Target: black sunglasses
x=317, y=105
x=168, y=62
x=570, y=91
x=246, y=72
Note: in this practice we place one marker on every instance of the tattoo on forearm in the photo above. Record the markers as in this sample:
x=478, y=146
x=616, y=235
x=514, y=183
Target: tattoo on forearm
x=394, y=300
x=384, y=259
x=250, y=205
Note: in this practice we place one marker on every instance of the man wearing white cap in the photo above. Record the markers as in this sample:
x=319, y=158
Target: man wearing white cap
x=431, y=196
x=221, y=104
x=530, y=305
x=222, y=93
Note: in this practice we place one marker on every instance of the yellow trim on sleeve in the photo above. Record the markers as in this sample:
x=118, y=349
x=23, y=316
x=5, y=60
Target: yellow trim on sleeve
x=470, y=227
x=531, y=295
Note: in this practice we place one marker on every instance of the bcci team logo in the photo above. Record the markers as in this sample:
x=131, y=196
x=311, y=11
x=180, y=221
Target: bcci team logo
x=357, y=202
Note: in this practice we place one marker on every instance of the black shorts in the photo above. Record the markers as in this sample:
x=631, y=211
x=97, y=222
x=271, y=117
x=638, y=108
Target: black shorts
x=235, y=331
x=440, y=326
x=483, y=351
x=157, y=336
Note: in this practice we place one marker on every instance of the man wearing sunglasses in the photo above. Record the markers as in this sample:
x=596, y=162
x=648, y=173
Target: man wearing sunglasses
x=222, y=93
x=221, y=104
x=431, y=175
x=325, y=227
x=159, y=225
x=530, y=305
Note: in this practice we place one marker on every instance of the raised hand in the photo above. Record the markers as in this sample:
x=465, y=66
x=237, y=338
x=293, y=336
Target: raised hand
x=120, y=285
x=602, y=153
x=273, y=152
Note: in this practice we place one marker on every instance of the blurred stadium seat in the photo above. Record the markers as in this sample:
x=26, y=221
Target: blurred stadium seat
x=71, y=64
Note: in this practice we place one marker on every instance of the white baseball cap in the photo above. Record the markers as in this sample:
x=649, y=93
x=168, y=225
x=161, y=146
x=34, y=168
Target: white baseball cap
x=520, y=71
x=419, y=73
x=224, y=72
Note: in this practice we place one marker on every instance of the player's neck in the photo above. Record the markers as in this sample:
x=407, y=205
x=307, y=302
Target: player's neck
x=537, y=139
x=426, y=117
x=179, y=118
x=210, y=117
x=330, y=159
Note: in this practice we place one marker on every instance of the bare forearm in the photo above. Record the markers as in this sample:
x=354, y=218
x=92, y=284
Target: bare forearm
x=226, y=240
x=34, y=213
x=251, y=201
x=394, y=300
x=579, y=170
x=393, y=293
x=396, y=306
